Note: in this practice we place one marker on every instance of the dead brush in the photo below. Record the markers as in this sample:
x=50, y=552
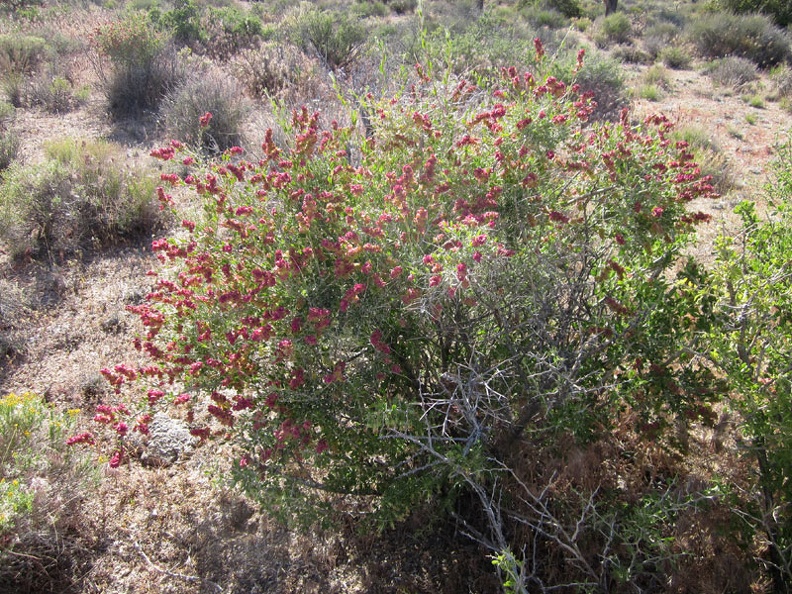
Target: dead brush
x=276, y=70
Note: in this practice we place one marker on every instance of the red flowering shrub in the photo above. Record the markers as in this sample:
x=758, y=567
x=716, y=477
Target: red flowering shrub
x=389, y=317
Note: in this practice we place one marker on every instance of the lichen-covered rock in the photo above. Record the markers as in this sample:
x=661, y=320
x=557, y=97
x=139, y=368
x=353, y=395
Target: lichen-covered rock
x=168, y=440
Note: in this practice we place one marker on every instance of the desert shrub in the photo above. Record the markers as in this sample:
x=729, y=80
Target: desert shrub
x=732, y=72
x=10, y=144
x=13, y=5
x=183, y=22
x=754, y=37
x=368, y=9
x=7, y=114
x=480, y=49
x=56, y=92
x=273, y=69
x=569, y=8
x=229, y=30
x=539, y=16
x=603, y=78
x=333, y=37
x=143, y=66
x=15, y=87
x=9, y=140
x=657, y=75
x=782, y=87
x=631, y=54
x=779, y=10
x=21, y=54
x=613, y=29
x=650, y=92
x=675, y=57
x=659, y=37
x=387, y=320
x=82, y=198
x=402, y=6
x=41, y=486
x=15, y=310
x=206, y=92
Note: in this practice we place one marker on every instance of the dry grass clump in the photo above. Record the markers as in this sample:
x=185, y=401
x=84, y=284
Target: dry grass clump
x=9, y=140
x=733, y=72
x=213, y=92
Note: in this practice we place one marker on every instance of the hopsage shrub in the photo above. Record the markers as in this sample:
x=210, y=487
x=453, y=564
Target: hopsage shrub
x=374, y=317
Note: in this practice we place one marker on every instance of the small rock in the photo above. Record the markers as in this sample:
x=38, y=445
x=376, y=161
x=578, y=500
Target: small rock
x=168, y=440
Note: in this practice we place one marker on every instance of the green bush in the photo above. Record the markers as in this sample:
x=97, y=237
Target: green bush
x=9, y=140
x=183, y=22
x=7, y=114
x=752, y=284
x=82, y=198
x=9, y=148
x=21, y=54
x=754, y=37
x=569, y=8
x=56, y=93
x=603, y=78
x=675, y=57
x=391, y=320
x=480, y=49
x=612, y=29
x=714, y=163
x=333, y=37
x=402, y=6
x=539, y=16
x=228, y=31
x=660, y=37
x=206, y=92
x=14, y=5
x=273, y=69
x=779, y=10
